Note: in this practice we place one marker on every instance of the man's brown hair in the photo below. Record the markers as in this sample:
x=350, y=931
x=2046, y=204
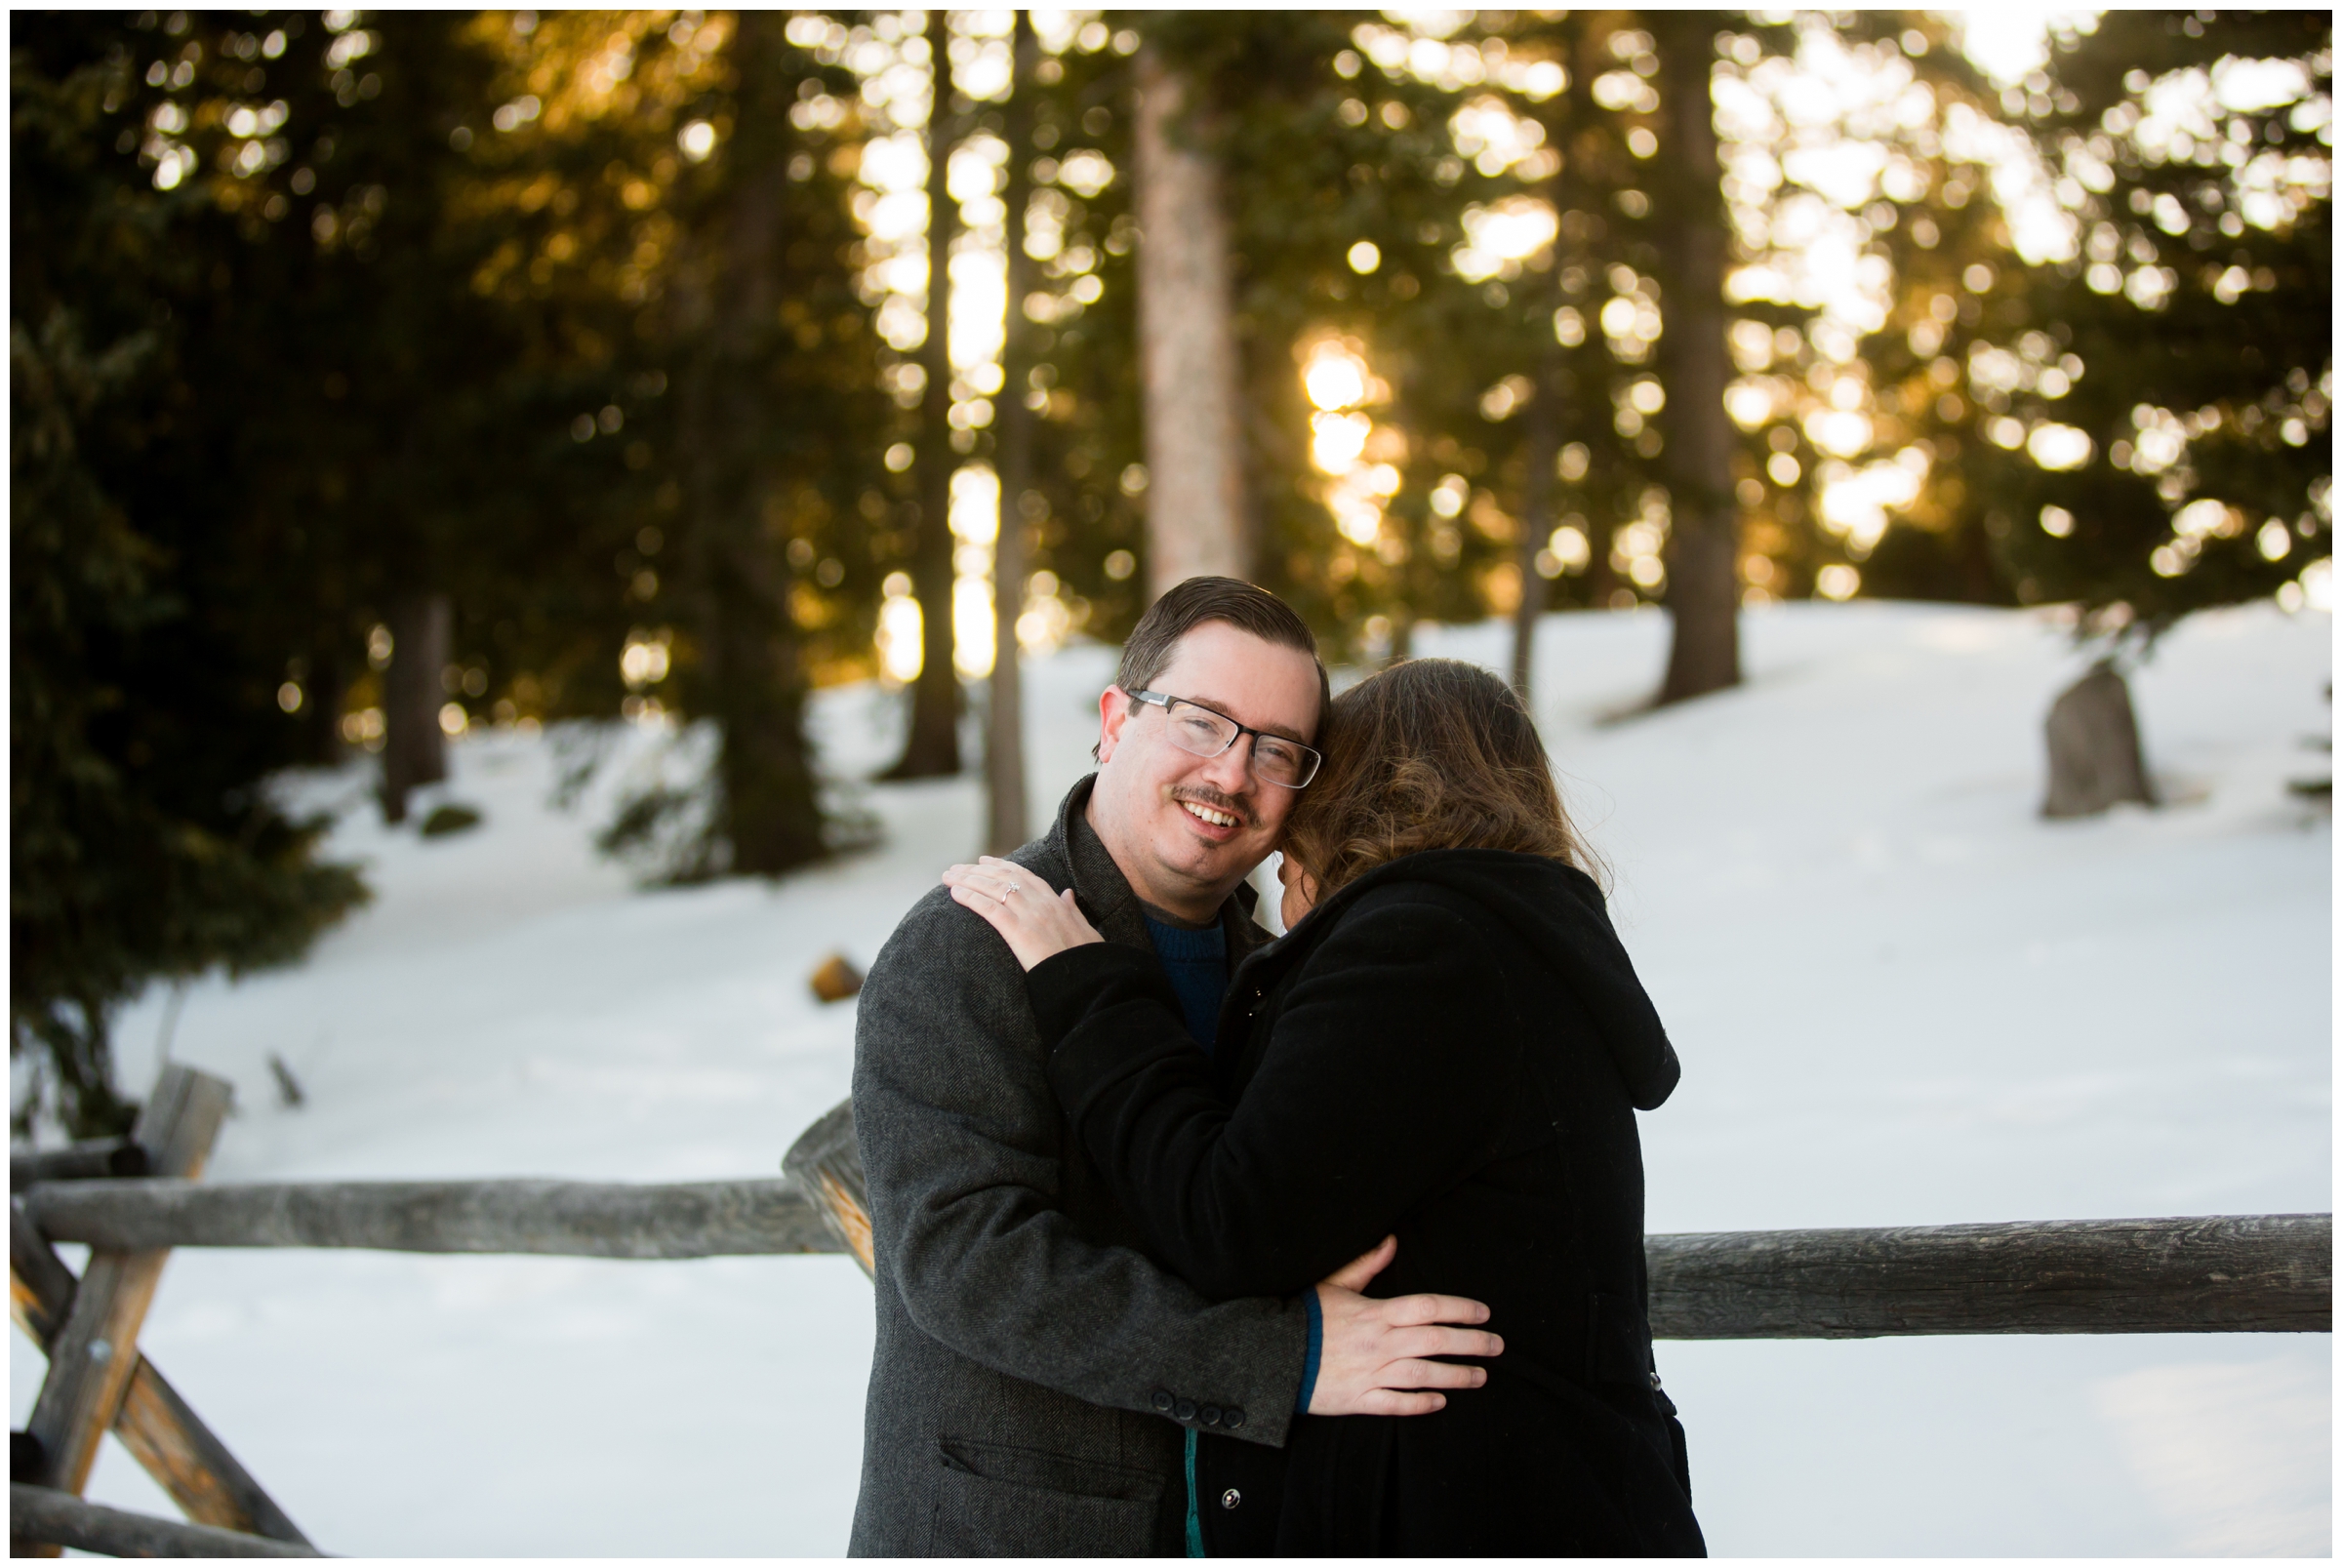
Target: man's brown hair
x=1155, y=638
x=1430, y=754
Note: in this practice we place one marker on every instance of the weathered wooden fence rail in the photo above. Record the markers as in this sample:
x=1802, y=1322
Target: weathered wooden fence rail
x=2228, y=1274
x=2261, y=1273
x=60, y=1520
x=2256, y=1273
x=78, y=1163
x=559, y=1219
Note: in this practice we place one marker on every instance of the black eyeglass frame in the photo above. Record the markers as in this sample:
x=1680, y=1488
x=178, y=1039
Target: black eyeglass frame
x=1164, y=701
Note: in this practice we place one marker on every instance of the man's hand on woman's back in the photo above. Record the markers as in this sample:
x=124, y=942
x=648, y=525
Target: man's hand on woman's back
x=1373, y=1356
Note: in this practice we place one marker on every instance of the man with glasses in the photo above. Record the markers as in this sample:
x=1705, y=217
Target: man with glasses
x=1035, y=1368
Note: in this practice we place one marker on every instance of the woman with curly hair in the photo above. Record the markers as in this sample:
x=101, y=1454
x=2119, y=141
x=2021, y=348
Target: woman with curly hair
x=1449, y=1047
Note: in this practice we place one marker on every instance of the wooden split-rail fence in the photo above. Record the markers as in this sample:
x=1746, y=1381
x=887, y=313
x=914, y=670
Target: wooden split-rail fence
x=131, y=1202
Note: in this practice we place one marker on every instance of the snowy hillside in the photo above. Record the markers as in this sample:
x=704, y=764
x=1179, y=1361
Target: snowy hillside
x=1900, y=998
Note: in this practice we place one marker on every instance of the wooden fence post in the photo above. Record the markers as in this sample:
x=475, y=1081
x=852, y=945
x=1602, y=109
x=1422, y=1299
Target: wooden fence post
x=95, y=1351
x=826, y=1163
x=158, y=1428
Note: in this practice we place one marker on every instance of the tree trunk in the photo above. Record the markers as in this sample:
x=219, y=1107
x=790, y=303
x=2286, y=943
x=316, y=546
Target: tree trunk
x=1005, y=810
x=2094, y=753
x=1187, y=346
x=769, y=802
x=1703, y=591
x=324, y=686
x=1544, y=450
x=1557, y=411
x=415, y=750
x=932, y=747
x=1587, y=136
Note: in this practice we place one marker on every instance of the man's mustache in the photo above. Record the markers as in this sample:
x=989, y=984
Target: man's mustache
x=1206, y=796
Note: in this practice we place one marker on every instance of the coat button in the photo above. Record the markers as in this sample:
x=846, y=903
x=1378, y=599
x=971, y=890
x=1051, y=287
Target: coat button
x=1230, y=1498
x=1209, y=1415
x=1185, y=1410
x=1231, y=1419
x=1160, y=1400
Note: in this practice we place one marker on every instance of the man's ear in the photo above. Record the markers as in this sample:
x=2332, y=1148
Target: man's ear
x=1114, y=709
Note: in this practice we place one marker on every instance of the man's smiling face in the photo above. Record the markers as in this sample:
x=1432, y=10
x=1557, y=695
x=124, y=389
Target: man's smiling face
x=1185, y=830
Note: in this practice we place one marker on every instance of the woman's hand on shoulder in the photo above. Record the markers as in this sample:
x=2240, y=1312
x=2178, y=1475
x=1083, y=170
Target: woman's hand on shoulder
x=1035, y=922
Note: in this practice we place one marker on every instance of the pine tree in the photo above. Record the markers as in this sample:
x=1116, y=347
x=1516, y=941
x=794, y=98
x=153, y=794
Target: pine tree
x=2185, y=463
x=313, y=321
x=144, y=846
x=697, y=407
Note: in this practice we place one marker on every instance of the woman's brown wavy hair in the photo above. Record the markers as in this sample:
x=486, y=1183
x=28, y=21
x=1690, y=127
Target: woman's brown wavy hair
x=1428, y=754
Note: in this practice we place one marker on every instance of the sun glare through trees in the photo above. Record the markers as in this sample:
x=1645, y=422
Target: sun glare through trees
x=386, y=378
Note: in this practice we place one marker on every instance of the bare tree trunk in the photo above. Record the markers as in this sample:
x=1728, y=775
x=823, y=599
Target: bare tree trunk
x=770, y=803
x=1582, y=132
x=1544, y=450
x=932, y=747
x=754, y=688
x=1601, y=578
x=324, y=686
x=414, y=750
x=1702, y=594
x=1587, y=136
x=1005, y=811
x=1187, y=346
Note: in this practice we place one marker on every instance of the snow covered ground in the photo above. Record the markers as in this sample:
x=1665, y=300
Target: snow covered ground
x=1899, y=996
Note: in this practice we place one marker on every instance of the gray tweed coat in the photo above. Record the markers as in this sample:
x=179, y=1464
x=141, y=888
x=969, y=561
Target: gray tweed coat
x=1034, y=1365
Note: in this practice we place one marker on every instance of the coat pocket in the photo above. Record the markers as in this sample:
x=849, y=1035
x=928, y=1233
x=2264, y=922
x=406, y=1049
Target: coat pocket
x=993, y=1501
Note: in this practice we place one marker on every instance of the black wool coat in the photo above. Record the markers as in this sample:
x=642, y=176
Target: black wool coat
x=1453, y=1048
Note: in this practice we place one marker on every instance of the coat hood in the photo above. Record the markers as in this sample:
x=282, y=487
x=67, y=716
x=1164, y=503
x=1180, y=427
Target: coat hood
x=1559, y=912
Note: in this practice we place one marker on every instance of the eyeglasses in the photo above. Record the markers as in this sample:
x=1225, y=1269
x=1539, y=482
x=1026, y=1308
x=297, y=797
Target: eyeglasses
x=1200, y=731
